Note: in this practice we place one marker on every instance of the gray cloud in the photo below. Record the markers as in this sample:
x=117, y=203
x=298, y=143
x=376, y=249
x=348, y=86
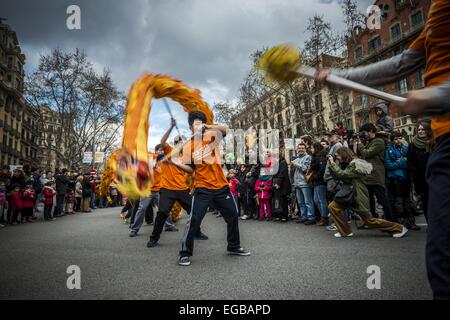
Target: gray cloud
x=205, y=43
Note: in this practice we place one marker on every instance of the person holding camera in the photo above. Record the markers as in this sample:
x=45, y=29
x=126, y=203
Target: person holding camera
x=373, y=152
x=353, y=194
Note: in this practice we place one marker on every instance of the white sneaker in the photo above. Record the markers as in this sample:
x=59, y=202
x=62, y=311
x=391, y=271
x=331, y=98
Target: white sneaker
x=244, y=217
x=338, y=235
x=401, y=234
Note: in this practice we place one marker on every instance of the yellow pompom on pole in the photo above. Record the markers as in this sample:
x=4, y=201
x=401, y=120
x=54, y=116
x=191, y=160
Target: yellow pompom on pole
x=283, y=63
x=280, y=63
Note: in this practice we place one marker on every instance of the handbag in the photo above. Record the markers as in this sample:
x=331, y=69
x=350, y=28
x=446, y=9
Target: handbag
x=345, y=195
x=277, y=207
x=309, y=176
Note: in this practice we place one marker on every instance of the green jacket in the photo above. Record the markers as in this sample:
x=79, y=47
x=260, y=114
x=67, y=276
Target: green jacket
x=374, y=154
x=355, y=175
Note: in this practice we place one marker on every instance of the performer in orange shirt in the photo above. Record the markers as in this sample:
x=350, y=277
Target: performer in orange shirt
x=211, y=187
x=432, y=50
x=173, y=187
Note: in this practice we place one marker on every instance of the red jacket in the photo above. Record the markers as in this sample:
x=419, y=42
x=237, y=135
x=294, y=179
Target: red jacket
x=16, y=201
x=234, y=183
x=28, y=199
x=48, y=195
x=263, y=192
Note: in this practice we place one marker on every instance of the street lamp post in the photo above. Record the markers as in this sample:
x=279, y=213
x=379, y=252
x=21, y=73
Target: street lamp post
x=96, y=89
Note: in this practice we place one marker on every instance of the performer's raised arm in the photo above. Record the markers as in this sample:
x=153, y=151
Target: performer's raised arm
x=166, y=136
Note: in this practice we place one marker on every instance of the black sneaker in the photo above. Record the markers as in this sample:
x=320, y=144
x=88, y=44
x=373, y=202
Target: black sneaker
x=239, y=252
x=133, y=234
x=201, y=236
x=152, y=243
x=184, y=261
x=310, y=222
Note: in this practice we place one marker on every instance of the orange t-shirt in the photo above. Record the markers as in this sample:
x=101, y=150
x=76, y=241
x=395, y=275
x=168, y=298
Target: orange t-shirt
x=171, y=177
x=208, y=176
x=434, y=42
x=156, y=180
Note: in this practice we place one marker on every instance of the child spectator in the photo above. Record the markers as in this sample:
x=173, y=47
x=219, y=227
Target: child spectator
x=3, y=204
x=48, y=193
x=234, y=187
x=16, y=204
x=28, y=198
x=70, y=201
x=263, y=187
x=398, y=181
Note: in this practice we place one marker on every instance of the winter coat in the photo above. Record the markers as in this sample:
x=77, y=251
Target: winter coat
x=282, y=179
x=335, y=146
x=263, y=187
x=48, y=193
x=37, y=184
x=247, y=186
x=417, y=164
x=374, y=154
x=318, y=166
x=87, y=187
x=78, y=190
x=396, y=162
x=19, y=181
x=6, y=179
x=234, y=185
x=301, y=166
x=3, y=200
x=16, y=201
x=354, y=174
x=28, y=199
x=62, y=181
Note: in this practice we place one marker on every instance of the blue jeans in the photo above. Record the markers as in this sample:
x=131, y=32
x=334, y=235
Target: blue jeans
x=93, y=200
x=305, y=202
x=59, y=204
x=320, y=199
x=103, y=203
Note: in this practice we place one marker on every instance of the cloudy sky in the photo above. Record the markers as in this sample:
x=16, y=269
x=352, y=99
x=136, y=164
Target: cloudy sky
x=205, y=43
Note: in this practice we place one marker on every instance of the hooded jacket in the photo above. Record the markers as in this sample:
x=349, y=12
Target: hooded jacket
x=396, y=162
x=384, y=123
x=355, y=174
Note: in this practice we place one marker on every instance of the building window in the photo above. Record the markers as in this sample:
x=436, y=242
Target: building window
x=417, y=20
x=364, y=101
x=374, y=44
x=396, y=32
x=420, y=82
x=359, y=53
x=402, y=86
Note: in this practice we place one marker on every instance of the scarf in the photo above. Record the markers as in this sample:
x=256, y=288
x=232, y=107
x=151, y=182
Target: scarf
x=419, y=143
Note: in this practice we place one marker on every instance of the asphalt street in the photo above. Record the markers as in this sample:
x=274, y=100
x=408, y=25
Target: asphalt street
x=288, y=261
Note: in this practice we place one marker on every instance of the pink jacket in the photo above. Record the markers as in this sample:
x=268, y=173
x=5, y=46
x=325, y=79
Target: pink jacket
x=263, y=192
